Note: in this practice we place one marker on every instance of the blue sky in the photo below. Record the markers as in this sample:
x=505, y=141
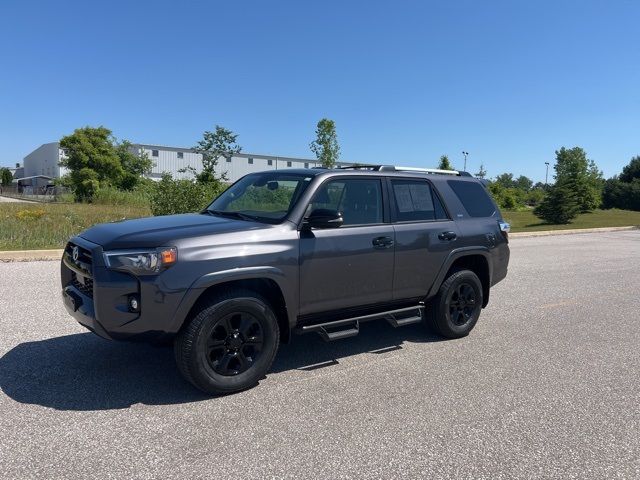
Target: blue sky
x=406, y=81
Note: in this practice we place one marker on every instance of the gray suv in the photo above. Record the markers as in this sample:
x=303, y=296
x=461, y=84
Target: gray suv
x=291, y=251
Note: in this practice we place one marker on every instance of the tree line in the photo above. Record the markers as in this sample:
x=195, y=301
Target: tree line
x=97, y=160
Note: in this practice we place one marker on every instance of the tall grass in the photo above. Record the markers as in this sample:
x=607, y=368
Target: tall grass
x=26, y=226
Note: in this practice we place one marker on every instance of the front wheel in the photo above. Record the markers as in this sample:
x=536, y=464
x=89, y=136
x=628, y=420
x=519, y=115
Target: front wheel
x=456, y=308
x=229, y=343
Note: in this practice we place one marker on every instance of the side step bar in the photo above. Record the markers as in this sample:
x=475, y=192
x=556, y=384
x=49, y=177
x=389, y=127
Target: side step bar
x=350, y=327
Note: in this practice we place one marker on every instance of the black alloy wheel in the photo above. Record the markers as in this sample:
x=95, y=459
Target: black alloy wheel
x=235, y=344
x=455, y=309
x=462, y=304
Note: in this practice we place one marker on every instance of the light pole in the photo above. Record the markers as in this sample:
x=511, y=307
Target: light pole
x=546, y=175
x=465, y=160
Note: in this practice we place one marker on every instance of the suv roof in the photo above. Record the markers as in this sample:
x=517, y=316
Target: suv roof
x=390, y=170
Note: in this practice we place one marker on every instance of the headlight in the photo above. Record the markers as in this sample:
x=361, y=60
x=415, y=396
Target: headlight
x=142, y=262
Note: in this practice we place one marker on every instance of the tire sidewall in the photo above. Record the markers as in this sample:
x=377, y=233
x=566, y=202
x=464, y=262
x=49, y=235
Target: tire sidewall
x=471, y=279
x=250, y=377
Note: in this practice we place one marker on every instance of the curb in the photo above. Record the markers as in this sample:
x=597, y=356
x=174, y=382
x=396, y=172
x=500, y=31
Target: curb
x=571, y=231
x=30, y=255
x=56, y=254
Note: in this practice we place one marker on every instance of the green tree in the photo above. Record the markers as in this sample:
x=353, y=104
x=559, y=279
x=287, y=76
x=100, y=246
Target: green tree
x=445, y=164
x=5, y=176
x=631, y=171
x=92, y=160
x=134, y=165
x=325, y=146
x=560, y=205
x=575, y=171
x=482, y=172
x=523, y=183
x=214, y=145
x=505, y=180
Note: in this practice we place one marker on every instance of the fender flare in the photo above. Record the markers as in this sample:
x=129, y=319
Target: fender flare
x=450, y=260
x=217, y=278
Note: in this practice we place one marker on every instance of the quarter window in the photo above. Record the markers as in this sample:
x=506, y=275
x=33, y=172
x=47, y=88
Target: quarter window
x=474, y=198
x=416, y=201
x=359, y=200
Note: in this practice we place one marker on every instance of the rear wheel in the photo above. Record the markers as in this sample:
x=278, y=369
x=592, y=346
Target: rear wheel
x=229, y=344
x=456, y=308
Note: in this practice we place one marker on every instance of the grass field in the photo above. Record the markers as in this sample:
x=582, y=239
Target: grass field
x=26, y=226
x=528, y=222
x=29, y=226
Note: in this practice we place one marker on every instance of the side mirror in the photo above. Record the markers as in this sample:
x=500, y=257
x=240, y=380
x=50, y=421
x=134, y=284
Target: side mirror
x=324, y=218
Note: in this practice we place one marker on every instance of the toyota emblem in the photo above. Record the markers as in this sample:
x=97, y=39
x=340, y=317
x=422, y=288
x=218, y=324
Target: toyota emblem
x=75, y=253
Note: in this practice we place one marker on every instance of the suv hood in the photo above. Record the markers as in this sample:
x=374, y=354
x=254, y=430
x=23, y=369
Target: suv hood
x=154, y=232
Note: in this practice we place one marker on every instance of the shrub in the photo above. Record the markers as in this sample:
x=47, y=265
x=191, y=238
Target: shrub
x=172, y=196
x=560, y=206
x=113, y=196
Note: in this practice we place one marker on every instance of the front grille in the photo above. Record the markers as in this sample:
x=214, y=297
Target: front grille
x=81, y=268
x=84, y=255
x=86, y=287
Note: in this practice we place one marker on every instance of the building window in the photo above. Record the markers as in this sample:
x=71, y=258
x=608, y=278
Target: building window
x=180, y=154
x=306, y=165
x=154, y=153
x=228, y=159
x=270, y=162
x=288, y=164
x=250, y=161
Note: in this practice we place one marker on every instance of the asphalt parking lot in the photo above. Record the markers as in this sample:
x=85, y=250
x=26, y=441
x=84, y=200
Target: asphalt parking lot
x=546, y=386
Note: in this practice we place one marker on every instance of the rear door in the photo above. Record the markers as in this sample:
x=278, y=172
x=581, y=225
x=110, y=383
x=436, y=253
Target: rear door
x=424, y=236
x=349, y=266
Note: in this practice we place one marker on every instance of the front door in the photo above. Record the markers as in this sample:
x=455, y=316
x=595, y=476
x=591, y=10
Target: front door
x=349, y=266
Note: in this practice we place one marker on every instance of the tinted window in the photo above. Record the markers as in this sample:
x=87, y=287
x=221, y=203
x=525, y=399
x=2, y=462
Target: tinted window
x=359, y=200
x=416, y=201
x=474, y=198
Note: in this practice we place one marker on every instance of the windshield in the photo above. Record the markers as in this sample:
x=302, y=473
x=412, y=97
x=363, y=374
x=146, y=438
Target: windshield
x=266, y=196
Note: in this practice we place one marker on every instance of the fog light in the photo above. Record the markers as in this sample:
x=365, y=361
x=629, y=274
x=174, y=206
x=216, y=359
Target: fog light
x=133, y=304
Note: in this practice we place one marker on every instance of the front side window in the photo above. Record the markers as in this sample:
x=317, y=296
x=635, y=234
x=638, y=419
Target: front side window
x=359, y=200
x=267, y=196
x=415, y=200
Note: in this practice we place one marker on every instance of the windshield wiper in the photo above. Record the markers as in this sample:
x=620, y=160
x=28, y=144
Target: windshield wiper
x=240, y=215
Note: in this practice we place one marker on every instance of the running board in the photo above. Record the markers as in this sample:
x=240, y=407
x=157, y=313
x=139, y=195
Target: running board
x=350, y=327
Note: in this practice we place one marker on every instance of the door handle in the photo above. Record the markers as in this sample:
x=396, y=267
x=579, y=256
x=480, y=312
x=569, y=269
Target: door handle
x=447, y=236
x=382, y=242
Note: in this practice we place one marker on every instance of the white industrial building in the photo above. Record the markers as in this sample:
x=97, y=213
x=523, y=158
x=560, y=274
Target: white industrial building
x=45, y=161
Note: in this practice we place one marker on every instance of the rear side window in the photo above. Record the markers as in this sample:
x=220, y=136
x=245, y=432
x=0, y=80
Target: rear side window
x=415, y=200
x=473, y=197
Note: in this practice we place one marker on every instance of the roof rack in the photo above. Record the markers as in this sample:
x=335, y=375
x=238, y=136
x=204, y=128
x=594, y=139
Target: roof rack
x=393, y=168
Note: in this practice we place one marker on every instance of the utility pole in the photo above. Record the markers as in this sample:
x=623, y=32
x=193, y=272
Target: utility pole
x=546, y=175
x=465, y=160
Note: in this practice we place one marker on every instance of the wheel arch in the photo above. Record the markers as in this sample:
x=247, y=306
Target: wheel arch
x=478, y=260
x=268, y=282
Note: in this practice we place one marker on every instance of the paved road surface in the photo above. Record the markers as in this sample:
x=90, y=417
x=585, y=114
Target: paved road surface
x=12, y=200
x=546, y=386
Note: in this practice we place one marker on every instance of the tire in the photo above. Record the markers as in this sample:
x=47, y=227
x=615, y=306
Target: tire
x=229, y=343
x=454, y=311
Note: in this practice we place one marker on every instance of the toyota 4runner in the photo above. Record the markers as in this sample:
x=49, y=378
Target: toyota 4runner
x=291, y=251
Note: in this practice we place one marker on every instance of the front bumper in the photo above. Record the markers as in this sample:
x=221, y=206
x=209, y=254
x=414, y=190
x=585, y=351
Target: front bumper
x=98, y=298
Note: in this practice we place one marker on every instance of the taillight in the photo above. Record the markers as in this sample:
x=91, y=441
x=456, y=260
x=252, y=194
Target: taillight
x=505, y=228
